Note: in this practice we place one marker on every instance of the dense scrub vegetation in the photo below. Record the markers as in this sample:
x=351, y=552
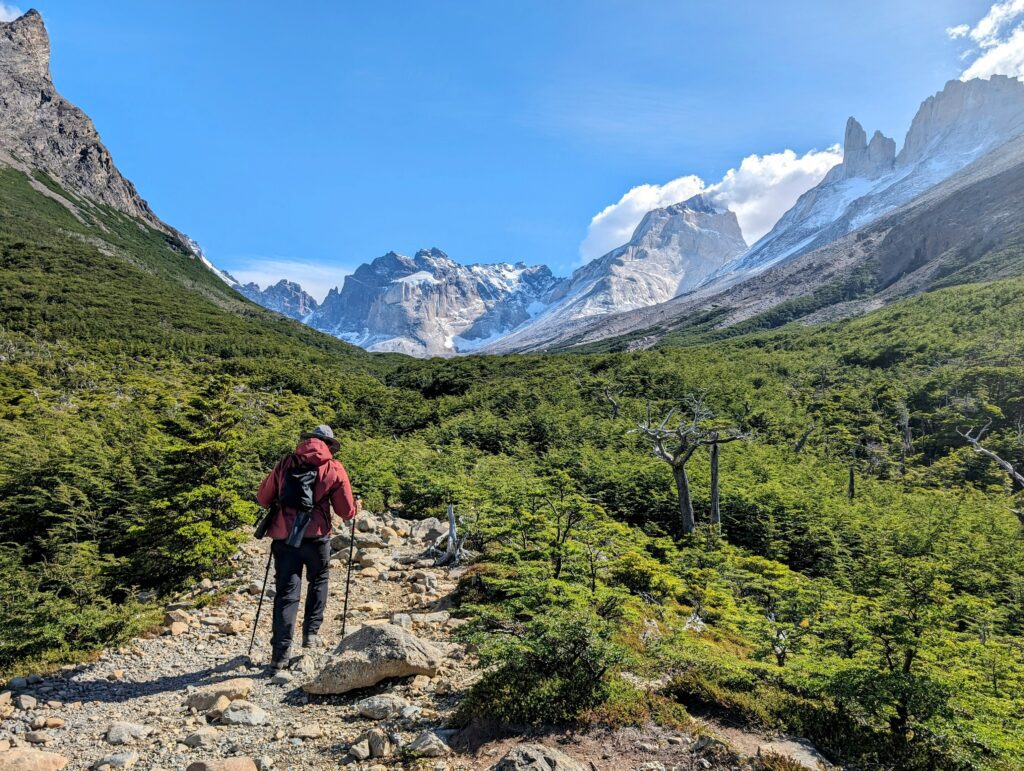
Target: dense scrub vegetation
x=884, y=619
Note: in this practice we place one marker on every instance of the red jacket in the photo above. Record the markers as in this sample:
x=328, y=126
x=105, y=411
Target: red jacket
x=331, y=488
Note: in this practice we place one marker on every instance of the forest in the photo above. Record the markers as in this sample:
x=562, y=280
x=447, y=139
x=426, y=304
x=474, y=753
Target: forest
x=855, y=574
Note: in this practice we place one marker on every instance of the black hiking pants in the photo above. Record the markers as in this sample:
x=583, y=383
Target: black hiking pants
x=314, y=555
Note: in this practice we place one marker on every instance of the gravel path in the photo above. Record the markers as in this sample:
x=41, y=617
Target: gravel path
x=145, y=685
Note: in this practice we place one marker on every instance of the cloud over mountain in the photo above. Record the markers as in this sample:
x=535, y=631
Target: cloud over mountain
x=759, y=192
x=999, y=35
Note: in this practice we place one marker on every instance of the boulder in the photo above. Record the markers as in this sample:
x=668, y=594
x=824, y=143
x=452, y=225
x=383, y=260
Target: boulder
x=242, y=712
x=537, y=757
x=224, y=764
x=382, y=707
x=378, y=743
x=428, y=530
x=127, y=733
x=372, y=654
x=38, y=737
x=22, y=759
x=428, y=745
x=25, y=702
x=176, y=628
x=205, y=698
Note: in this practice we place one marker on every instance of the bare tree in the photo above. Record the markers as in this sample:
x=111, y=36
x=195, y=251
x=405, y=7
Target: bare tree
x=974, y=437
x=676, y=443
x=454, y=552
x=611, y=394
x=714, y=439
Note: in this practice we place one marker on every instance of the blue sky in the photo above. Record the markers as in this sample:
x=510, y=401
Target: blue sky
x=307, y=138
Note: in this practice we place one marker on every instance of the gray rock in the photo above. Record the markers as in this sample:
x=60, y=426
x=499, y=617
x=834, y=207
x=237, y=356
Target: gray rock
x=17, y=683
x=428, y=530
x=403, y=620
x=308, y=731
x=243, y=712
x=382, y=707
x=428, y=745
x=119, y=760
x=25, y=702
x=281, y=678
x=372, y=654
x=380, y=745
x=206, y=737
x=537, y=757
x=127, y=733
x=360, y=750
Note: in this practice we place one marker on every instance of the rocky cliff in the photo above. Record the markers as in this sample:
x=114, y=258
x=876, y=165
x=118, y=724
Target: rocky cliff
x=39, y=129
x=950, y=130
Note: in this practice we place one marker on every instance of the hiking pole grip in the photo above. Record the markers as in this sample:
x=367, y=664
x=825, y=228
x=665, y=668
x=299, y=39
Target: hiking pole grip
x=348, y=574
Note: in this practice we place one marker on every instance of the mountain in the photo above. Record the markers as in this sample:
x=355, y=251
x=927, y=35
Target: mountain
x=285, y=297
x=966, y=229
x=672, y=251
x=430, y=305
x=951, y=129
x=836, y=243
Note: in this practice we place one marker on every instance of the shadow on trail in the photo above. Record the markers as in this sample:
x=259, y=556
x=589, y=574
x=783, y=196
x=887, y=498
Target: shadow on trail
x=112, y=691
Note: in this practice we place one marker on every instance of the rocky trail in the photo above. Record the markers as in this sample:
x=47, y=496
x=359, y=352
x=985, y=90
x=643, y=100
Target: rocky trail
x=186, y=696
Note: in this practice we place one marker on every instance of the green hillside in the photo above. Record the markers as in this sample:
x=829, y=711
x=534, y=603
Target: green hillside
x=142, y=400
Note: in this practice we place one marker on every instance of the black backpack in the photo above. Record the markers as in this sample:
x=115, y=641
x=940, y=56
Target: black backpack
x=297, y=488
x=296, y=493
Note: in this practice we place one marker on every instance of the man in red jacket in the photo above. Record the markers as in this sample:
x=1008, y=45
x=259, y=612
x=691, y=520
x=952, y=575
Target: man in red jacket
x=330, y=488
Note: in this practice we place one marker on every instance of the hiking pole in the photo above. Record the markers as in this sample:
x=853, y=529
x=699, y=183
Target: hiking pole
x=348, y=575
x=266, y=575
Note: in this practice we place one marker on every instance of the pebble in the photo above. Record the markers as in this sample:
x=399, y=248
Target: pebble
x=119, y=760
x=308, y=731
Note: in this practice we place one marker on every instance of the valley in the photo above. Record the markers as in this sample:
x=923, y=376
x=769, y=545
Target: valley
x=838, y=422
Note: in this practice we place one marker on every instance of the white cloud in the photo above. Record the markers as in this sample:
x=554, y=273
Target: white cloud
x=613, y=225
x=766, y=186
x=761, y=190
x=1006, y=58
x=9, y=12
x=999, y=35
x=316, y=278
x=987, y=32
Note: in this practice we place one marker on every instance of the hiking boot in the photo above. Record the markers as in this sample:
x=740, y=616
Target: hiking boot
x=312, y=641
x=278, y=663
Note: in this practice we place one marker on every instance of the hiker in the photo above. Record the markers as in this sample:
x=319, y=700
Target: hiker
x=303, y=487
